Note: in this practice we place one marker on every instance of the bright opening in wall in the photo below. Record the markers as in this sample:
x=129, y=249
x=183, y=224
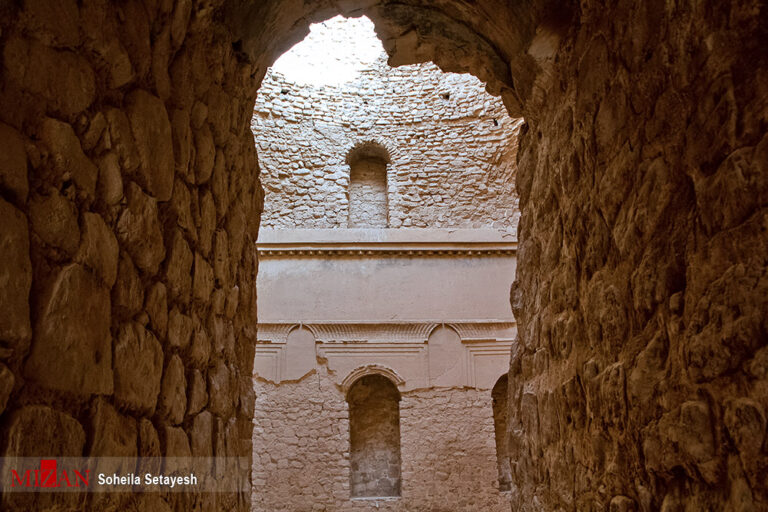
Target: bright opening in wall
x=334, y=52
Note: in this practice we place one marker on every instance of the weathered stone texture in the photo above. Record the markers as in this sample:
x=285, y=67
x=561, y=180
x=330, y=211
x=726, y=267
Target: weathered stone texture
x=102, y=217
x=449, y=146
x=15, y=275
x=13, y=163
x=71, y=349
x=301, y=446
x=641, y=291
x=138, y=368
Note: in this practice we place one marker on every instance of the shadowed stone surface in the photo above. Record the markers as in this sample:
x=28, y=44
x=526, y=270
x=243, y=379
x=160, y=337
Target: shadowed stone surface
x=641, y=292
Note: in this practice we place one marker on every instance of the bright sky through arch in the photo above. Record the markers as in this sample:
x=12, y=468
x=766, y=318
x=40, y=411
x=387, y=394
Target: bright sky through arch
x=334, y=52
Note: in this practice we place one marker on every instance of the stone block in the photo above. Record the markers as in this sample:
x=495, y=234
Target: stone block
x=97, y=125
x=205, y=154
x=56, y=24
x=157, y=309
x=13, y=163
x=173, y=394
x=198, y=393
x=149, y=448
x=222, y=389
x=110, y=184
x=67, y=155
x=181, y=203
x=98, y=248
x=176, y=442
x=15, y=275
x=202, y=285
x=121, y=139
x=179, y=329
x=39, y=430
x=151, y=130
x=201, y=435
x=182, y=144
x=221, y=258
x=54, y=220
x=138, y=368
x=6, y=386
x=114, y=435
x=128, y=292
x=72, y=345
x=62, y=78
x=200, y=350
x=178, y=270
x=139, y=230
x=207, y=222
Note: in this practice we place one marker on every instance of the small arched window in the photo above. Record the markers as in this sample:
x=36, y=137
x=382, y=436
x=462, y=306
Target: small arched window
x=368, y=186
x=499, y=397
x=374, y=437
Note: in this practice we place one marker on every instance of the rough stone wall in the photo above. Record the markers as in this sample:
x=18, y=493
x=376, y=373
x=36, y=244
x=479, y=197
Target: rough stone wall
x=368, y=194
x=374, y=437
x=302, y=450
x=451, y=146
x=129, y=201
x=641, y=378
x=641, y=374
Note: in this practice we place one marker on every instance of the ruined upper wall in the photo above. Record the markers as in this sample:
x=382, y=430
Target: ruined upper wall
x=451, y=148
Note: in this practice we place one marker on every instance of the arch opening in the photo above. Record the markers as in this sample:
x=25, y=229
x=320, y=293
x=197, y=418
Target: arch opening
x=500, y=421
x=368, y=205
x=374, y=438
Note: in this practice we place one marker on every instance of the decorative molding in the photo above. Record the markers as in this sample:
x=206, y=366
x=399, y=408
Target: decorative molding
x=384, y=332
x=494, y=349
x=411, y=253
x=371, y=369
x=375, y=242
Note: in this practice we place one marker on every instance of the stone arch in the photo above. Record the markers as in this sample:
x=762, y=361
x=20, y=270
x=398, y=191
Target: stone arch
x=619, y=64
x=369, y=149
x=500, y=422
x=374, y=437
x=490, y=44
x=371, y=369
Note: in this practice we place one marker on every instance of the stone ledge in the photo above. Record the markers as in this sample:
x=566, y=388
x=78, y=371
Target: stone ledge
x=385, y=242
x=386, y=332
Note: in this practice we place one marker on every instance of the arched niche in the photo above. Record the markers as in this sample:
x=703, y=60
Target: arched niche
x=368, y=204
x=500, y=415
x=374, y=437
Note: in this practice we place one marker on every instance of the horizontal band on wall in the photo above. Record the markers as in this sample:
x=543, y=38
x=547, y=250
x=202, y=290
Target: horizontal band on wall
x=388, y=332
x=276, y=253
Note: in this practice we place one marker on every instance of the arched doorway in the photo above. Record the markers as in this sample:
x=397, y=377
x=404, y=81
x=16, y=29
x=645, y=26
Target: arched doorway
x=374, y=437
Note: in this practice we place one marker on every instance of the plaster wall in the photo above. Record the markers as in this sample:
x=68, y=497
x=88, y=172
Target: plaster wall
x=355, y=287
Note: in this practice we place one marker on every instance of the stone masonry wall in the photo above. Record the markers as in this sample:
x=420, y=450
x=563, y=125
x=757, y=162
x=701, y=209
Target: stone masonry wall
x=641, y=378
x=451, y=147
x=302, y=458
x=368, y=194
x=129, y=202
